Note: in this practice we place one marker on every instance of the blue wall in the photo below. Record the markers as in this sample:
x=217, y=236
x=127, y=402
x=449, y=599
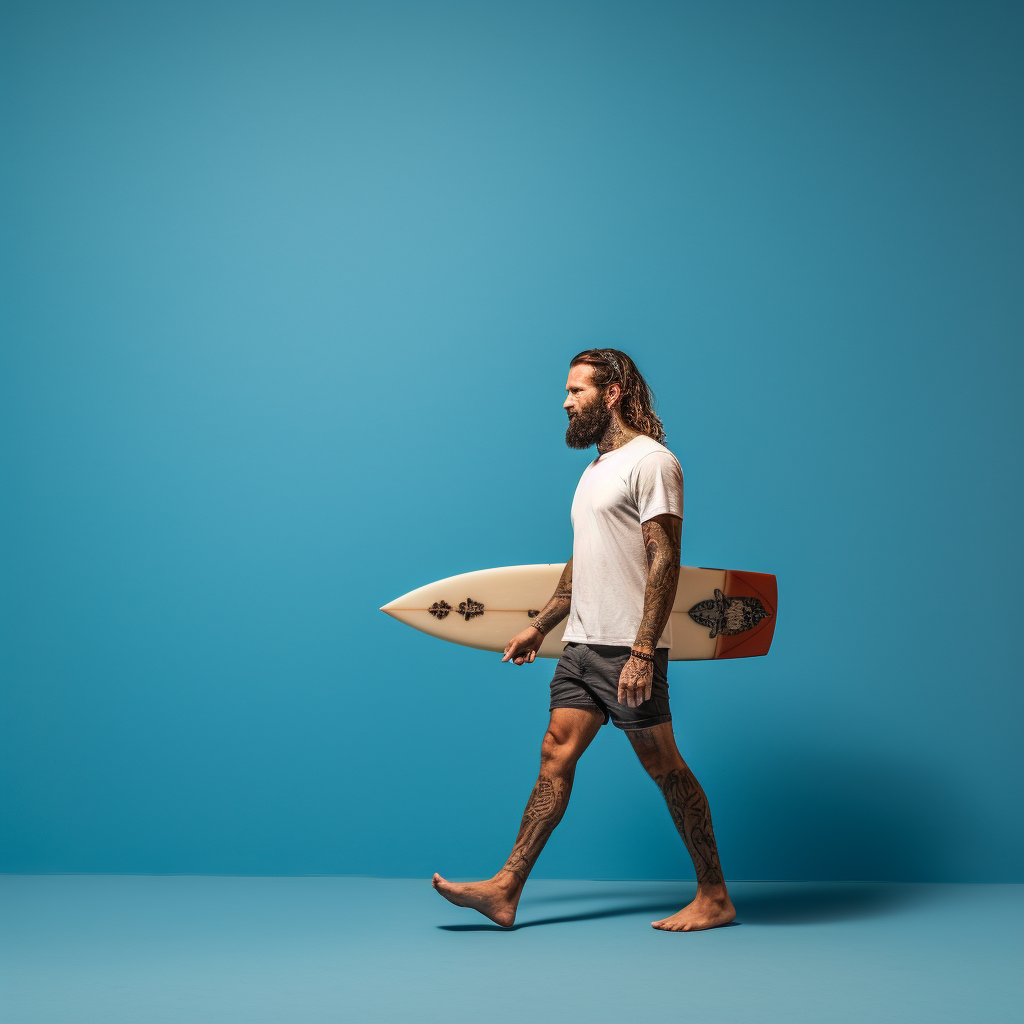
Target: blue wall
x=289, y=293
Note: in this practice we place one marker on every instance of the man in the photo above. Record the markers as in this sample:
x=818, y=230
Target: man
x=617, y=590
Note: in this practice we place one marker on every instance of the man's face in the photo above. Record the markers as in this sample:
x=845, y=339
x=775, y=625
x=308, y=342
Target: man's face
x=589, y=414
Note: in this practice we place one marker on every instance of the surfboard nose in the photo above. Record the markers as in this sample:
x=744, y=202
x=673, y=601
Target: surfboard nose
x=389, y=608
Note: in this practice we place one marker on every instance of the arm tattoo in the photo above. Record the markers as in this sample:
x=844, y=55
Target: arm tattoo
x=661, y=542
x=558, y=607
x=692, y=817
x=543, y=812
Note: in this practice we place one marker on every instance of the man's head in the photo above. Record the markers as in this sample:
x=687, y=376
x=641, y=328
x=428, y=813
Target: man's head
x=605, y=383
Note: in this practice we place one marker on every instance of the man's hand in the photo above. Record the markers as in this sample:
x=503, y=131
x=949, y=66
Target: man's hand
x=636, y=680
x=523, y=647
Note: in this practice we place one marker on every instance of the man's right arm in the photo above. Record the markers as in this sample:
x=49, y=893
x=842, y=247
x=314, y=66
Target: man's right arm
x=522, y=649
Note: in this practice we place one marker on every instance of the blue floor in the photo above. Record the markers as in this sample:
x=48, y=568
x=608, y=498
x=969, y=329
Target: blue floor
x=112, y=949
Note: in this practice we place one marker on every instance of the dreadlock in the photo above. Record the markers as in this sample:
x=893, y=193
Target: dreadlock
x=637, y=404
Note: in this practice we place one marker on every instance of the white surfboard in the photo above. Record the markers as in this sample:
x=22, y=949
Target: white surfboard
x=718, y=613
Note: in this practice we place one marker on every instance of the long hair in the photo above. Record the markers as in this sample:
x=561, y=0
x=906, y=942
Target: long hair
x=637, y=404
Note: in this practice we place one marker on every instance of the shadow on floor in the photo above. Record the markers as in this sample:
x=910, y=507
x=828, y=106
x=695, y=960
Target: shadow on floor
x=782, y=903
x=757, y=903
x=655, y=909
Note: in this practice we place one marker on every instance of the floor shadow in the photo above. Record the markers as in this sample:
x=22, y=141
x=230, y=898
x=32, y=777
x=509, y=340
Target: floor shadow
x=660, y=909
x=788, y=903
x=757, y=903
x=647, y=891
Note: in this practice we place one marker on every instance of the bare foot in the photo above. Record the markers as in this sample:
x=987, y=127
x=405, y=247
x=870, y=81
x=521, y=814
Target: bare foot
x=492, y=899
x=704, y=912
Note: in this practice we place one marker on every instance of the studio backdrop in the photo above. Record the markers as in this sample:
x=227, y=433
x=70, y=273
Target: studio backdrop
x=289, y=296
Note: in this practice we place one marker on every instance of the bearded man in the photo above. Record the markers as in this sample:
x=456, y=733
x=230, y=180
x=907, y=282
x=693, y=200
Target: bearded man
x=617, y=590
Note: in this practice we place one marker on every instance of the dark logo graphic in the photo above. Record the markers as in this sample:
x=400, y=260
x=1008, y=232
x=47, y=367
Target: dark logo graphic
x=728, y=615
x=470, y=608
x=532, y=612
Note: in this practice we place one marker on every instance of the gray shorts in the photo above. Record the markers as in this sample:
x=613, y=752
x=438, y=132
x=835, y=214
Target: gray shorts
x=587, y=676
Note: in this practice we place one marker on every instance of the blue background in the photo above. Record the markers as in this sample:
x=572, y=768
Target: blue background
x=289, y=294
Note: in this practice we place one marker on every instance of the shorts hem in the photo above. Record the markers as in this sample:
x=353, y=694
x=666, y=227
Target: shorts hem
x=646, y=724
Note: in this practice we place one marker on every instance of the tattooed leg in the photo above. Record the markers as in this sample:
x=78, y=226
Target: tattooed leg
x=543, y=812
x=497, y=898
x=692, y=816
x=688, y=806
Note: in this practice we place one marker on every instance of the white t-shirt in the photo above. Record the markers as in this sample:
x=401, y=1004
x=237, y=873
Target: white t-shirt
x=617, y=492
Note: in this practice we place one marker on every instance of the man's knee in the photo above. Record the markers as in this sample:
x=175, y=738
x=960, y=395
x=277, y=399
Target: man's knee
x=560, y=748
x=656, y=753
x=569, y=733
x=655, y=763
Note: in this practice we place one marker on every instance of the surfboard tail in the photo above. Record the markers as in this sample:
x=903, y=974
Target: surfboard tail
x=759, y=592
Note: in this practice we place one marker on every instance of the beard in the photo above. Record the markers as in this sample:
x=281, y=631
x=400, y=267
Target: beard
x=587, y=427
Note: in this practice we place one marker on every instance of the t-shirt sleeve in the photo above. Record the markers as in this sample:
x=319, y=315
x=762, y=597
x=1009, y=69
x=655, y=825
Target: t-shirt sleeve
x=658, y=486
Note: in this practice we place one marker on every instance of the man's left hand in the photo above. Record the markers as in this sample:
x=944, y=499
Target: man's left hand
x=636, y=680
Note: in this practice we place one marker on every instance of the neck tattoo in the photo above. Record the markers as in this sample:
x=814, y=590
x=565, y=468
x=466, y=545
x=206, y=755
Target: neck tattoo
x=614, y=437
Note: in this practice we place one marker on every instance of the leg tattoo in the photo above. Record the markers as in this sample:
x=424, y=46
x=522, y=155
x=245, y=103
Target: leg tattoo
x=543, y=812
x=692, y=817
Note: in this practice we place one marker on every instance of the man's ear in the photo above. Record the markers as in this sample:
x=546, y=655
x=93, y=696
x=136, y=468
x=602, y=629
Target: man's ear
x=612, y=395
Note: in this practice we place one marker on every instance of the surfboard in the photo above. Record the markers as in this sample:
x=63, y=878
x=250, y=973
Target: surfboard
x=718, y=613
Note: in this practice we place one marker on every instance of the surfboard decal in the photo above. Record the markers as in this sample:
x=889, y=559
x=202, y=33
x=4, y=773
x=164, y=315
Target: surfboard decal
x=728, y=615
x=468, y=609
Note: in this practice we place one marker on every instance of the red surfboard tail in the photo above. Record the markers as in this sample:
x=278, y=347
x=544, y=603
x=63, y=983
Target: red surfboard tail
x=755, y=642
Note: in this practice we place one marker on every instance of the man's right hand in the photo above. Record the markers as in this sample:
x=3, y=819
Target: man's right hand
x=523, y=647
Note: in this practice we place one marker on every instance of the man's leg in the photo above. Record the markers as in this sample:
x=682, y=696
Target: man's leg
x=656, y=748
x=569, y=734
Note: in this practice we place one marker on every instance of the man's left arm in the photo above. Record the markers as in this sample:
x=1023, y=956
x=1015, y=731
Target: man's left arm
x=662, y=536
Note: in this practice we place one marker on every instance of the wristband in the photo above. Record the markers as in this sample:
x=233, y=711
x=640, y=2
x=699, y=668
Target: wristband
x=642, y=655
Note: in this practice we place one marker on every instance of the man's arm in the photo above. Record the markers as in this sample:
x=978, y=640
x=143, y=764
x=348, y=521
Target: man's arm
x=662, y=536
x=523, y=647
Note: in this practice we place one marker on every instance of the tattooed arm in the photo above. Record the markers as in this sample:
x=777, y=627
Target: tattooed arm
x=662, y=536
x=523, y=647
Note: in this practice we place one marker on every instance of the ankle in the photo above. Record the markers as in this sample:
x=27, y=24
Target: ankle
x=510, y=883
x=714, y=893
